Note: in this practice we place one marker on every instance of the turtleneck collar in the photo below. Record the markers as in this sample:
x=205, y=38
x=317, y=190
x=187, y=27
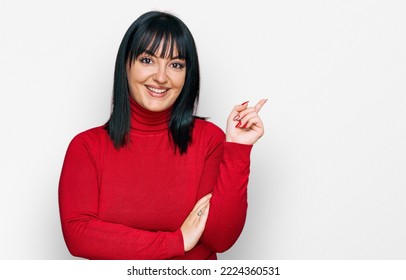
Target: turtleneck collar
x=143, y=120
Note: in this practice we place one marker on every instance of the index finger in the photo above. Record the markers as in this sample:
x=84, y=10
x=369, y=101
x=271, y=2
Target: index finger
x=202, y=201
x=260, y=104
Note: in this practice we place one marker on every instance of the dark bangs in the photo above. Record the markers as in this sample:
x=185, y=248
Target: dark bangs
x=150, y=37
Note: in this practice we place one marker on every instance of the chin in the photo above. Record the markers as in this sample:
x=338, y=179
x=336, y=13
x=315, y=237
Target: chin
x=157, y=108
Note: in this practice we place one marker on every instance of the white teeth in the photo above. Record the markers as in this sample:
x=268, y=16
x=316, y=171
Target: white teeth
x=157, y=90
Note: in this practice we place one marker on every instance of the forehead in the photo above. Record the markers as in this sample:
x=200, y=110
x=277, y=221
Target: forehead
x=162, y=44
x=164, y=50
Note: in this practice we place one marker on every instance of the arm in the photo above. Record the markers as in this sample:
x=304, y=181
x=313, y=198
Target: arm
x=227, y=169
x=88, y=236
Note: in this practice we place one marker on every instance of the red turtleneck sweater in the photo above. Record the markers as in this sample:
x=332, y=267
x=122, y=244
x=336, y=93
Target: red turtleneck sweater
x=130, y=203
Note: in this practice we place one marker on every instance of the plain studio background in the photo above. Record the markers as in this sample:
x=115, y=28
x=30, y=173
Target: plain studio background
x=328, y=178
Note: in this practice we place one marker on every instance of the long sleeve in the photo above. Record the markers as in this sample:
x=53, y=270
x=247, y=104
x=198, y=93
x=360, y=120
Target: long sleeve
x=88, y=236
x=225, y=174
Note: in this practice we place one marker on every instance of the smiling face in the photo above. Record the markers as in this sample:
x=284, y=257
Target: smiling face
x=155, y=82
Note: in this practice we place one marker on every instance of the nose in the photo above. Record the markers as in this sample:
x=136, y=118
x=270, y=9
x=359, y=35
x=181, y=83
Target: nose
x=160, y=74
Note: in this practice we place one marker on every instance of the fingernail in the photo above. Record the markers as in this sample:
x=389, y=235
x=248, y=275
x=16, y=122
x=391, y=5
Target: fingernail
x=245, y=103
x=245, y=125
x=238, y=124
x=236, y=118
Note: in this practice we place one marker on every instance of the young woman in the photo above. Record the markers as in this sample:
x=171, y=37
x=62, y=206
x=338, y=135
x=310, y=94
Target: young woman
x=156, y=182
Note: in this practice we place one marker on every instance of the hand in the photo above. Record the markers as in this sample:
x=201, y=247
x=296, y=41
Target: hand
x=244, y=126
x=193, y=227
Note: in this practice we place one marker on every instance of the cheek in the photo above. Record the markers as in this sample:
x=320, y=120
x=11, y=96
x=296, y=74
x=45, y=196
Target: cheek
x=136, y=74
x=179, y=81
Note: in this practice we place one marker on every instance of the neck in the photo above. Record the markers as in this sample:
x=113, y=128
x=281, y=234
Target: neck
x=144, y=120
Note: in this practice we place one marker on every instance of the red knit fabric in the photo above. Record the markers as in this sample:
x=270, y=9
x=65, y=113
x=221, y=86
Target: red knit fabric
x=130, y=203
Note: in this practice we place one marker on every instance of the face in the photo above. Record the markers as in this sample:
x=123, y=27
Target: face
x=155, y=83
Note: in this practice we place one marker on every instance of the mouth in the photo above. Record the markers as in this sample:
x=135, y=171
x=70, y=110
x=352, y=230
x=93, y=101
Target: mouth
x=157, y=92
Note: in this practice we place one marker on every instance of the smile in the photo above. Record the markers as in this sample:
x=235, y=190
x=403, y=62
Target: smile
x=156, y=90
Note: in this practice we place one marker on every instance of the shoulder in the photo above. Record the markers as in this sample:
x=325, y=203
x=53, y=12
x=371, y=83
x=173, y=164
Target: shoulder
x=90, y=139
x=207, y=129
x=91, y=134
x=87, y=147
x=207, y=137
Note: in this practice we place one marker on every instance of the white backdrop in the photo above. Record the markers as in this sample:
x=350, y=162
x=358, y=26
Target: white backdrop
x=328, y=178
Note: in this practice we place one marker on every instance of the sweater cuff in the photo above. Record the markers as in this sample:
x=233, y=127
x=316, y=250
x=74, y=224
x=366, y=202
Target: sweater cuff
x=236, y=151
x=175, y=246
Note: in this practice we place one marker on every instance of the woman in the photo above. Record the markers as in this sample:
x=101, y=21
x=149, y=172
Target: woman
x=156, y=182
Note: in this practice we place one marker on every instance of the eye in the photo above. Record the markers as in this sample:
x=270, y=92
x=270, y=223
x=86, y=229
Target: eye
x=178, y=65
x=146, y=60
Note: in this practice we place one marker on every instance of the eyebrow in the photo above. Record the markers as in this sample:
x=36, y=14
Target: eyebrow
x=154, y=55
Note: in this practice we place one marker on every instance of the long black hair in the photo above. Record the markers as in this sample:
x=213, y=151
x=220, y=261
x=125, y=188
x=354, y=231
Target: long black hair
x=146, y=35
